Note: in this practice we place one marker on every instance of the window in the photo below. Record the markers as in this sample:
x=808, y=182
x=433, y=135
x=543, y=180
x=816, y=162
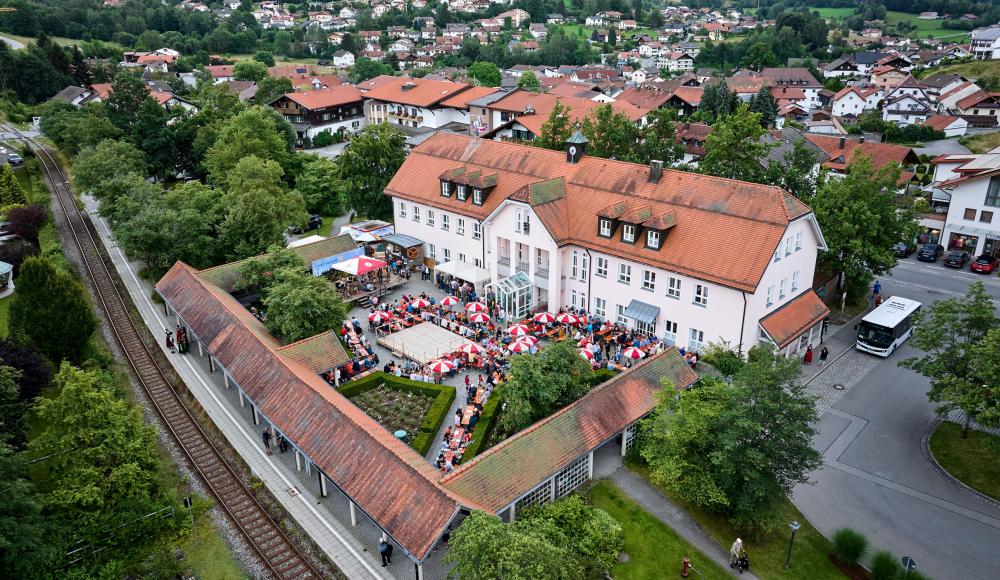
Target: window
x=625, y=273
x=572, y=298
x=477, y=196
x=447, y=254
x=445, y=189
x=993, y=193
x=788, y=246
x=669, y=332
x=605, y=228
x=460, y=193
x=653, y=239
x=430, y=218
x=620, y=318
x=777, y=253
x=770, y=296
x=518, y=221
x=986, y=217
x=402, y=210
x=600, y=307
x=781, y=288
x=602, y=267
x=445, y=222
x=628, y=233
x=583, y=300
x=460, y=227
x=970, y=213
x=648, y=280
x=416, y=213
x=431, y=251
x=478, y=263
x=798, y=241
x=701, y=295
x=696, y=340
x=674, y=287
x=795, y=281
x=573, y=267
x=477, y=230
x=584, y=267
x=461, y=258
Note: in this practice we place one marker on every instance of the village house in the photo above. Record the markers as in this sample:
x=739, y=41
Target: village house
x=411, y=103
x=972, y=223
x=333, y=110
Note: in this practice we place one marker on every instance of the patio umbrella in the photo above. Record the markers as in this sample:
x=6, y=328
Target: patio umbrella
x=449, y=301
x=475, y=307
x=531, y=340
x=441, y=366
x=633, y=353
x=518, y=330
x=584, y=353
x=519, y=346
x=471, y=348
x=420, y=303
x=379, y=316
x=360, y=265
x=567, y=318
x=479, y=317
x=544, y=317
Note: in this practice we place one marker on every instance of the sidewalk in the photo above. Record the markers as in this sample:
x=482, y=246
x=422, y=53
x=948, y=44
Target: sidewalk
x=650, y=498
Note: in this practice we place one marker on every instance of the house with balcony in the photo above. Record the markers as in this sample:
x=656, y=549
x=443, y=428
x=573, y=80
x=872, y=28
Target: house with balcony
x=986, y=43
x=972, y=222
x=648, y=247
x=332, y=110
x=907, y=103
x=413, y=104
x=854, y=100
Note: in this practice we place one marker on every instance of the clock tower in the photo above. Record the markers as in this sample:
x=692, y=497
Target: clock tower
x=576, y=147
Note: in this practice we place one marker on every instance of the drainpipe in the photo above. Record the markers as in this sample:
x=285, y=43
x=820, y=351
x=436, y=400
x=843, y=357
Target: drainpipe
x=590, y=276
x=743, y=321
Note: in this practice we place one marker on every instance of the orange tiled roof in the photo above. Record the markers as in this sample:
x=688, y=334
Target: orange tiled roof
x=710, y=211
x=690, y=95
x=318, y=353
x=939, y=122
x=326, y=97
x=461, y=100
x=789, y=322
x=543, y=103
x=423, y=93
x=880, y=153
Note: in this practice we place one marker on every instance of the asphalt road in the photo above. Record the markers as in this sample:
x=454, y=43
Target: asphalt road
x=15, y=44
x=875, y=478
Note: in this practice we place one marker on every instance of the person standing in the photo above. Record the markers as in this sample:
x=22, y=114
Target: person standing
x=808, y=359
x=876, y=290
x=266, y=436
x=823, y=354
x=385, y=550
x=170, y=340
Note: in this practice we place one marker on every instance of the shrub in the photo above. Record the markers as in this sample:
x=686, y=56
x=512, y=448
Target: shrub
x=483, y=429
x=322, y=139
x=25, y=220
x=885, y=566
x=15, y=252
x=849, y=545
x=723, y=358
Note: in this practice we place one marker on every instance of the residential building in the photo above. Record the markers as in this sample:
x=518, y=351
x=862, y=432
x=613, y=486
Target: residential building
x=412, y=103
x=334, y=110
x=648, y=247
x=343, y=59
x=76, y=96
x=973, y=220
x=521, y=113
x=907, y=103
x=979, y=108
x=854, y=100
x=795, y=78
x=950, y=125
x=986, y=43
x=842, y=152
x=941, y=83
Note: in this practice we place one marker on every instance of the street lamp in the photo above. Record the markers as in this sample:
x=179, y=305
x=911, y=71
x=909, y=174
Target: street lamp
x=908, y=564
x=795, y=527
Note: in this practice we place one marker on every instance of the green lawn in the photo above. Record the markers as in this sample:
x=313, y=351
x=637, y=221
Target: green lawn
x=767, y=555
x=975, y=461
x=923, y=28
x=5, y=315
x=654, y=549
x=56, y=39
x=325, y=230
x=981, y=143
x=832, y=13
x=574, y=30
x=207, y=555
x=972, y=69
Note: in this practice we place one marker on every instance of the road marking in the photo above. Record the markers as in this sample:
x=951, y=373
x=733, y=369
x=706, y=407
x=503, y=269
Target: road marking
x=832, y=458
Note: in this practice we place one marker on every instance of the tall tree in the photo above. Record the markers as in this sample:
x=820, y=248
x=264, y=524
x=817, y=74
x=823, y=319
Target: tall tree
x=108, y=159
x=486, y=74
x=128, y=93
x=952, y=335
x=611, y=134
x=861, y=222
x=659, y=138
x=36, y=372
x=556, y=130
x=733, y=148
x=796, y=173
x=265, y=57
x=367, y=166
x=26, y=545
x=51, y=311
x=763, y=103
x=529, y=80
x=153, y=134
x=249, y=70
x=540, y=384
x=259, y=208
x=10, y=188
x=270, y=88
x=252, y=132
x=13, y=430
x=301, y=305
x=320, y=187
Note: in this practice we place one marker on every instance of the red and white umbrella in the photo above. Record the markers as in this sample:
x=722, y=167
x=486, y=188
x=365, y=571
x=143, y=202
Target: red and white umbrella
x=528, y=339
x=544, y=317
x=567, y=318
x=449, y=301
x=379, y=316
x=479, y=317
x=633, y=353
x=441, y=366
x=471, y=348
x=473, y=307
x=360, y=265
x=518, y=330
x=519, y=346
x=420, y=303
x=585, y=353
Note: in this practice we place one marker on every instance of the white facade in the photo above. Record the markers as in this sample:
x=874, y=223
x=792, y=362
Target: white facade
x=906, y=110
x=447, y=236
x=973, y=221
x=986, y=44
x=853, y=103
x=411, y=116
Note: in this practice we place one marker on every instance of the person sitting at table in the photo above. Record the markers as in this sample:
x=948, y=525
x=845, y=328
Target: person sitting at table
x=440, y=461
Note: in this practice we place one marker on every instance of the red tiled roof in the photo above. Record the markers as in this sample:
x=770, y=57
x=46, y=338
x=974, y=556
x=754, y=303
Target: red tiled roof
x=324, y=98
x=461, y=100
x=318, y=353
x=506, y=472
x=220, y=70
x=103, y=90
x=423, y=93
x=690, y=95
x=646, y=98
x=789, y=322
x=710, y=211
x=880, y=153
x=976, y=98
x=542, y=103
x=940, y=122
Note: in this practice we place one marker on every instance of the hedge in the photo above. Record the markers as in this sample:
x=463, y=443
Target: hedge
x=483, y=428
x=443, y=396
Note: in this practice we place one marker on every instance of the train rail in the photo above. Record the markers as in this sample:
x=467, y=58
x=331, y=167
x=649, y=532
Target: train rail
x=280, y=556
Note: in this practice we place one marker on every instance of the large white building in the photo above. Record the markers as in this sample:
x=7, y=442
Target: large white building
x=986, y=43
x=692, y=258
x=973, y=219
x=413, y=103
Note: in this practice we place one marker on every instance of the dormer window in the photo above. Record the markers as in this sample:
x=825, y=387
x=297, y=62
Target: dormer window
x=461, y=192
x=445, y=188
x=604, y=228
x=628, y=233
x=477, y=196
x=653, y=239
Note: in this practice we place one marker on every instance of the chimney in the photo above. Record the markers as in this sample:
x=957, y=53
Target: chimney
x=407, y=86
x=655, y=170
x=842, y=141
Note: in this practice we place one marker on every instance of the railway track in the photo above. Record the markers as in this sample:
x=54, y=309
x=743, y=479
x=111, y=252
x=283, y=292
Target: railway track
x=270, y=543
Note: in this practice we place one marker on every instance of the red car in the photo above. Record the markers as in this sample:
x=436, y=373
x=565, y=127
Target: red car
x=985, y=264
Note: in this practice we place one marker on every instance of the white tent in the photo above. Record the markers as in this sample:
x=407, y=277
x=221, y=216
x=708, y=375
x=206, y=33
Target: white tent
x=464, y=271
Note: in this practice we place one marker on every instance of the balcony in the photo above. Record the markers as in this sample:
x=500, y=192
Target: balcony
x=504, y=260
x=522, y=267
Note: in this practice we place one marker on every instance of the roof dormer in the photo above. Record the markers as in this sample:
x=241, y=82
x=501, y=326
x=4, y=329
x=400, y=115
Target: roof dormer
x=465, y=184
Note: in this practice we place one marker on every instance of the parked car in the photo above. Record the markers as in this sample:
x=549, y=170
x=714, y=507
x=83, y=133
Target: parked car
x=956, y=259
x=15, y=159
x=985, y=264
x=315, y=221
x=904, y=249
x=930, y=252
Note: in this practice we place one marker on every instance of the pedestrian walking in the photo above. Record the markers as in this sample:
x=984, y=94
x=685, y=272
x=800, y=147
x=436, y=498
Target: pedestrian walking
x=808, y=359
x=877, y=288
x=266, y=436
x=385, y=550
x=170, y=340
x=822, y=356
